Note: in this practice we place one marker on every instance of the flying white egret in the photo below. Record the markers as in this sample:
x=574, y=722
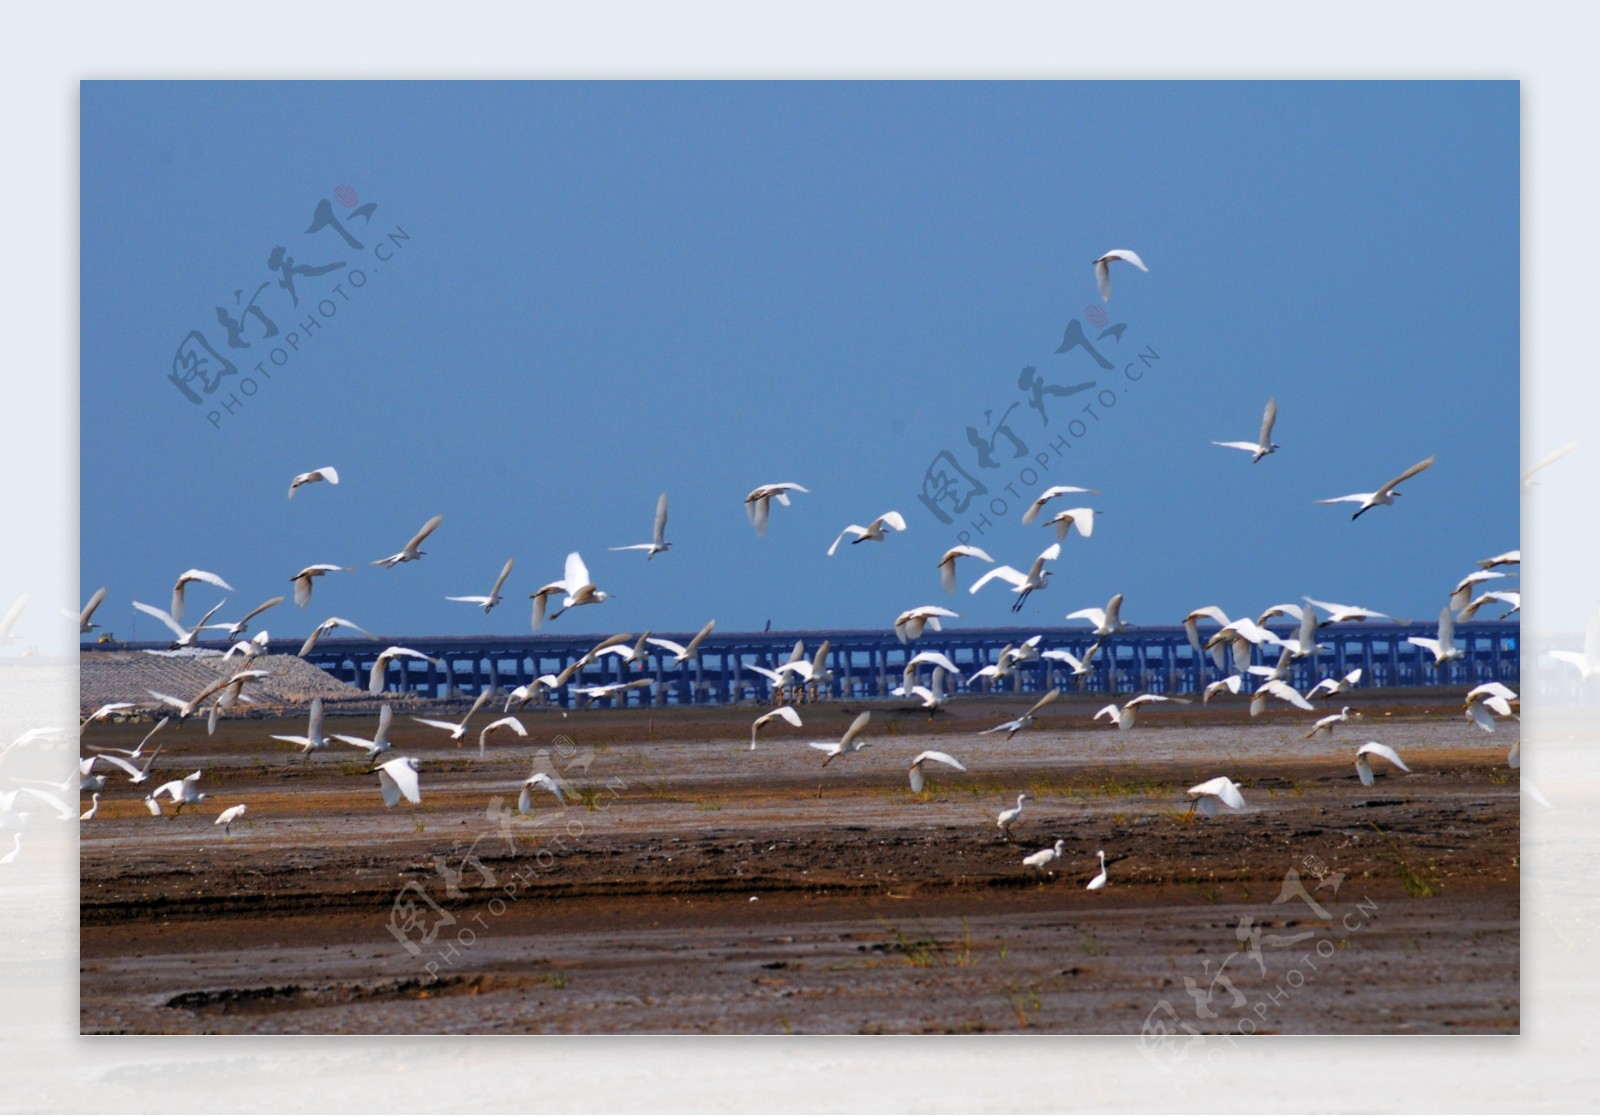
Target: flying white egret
x=1213, y=795
x=1262, y=445
x=87, y=781
x=1042, y=859
x=1588, y=660
x=326, y=473
x=1099, y=882
x=658, y=543
x=228, y=817
x=1080, y=668
x=186, y=637
x=1011, y=728
x=380, y=740
x=1509, y=558
x=94, y=808
x=1102, y=269
x=410, y=553
x=909, y=625
x=932, y=695
x=136, y=775
x=1326, y=724
x=187, y=709
x=595, y=693
x=933, y=658
x=231, y=694
x=996, y=670
x=537, y=779
x=1232, y=684
x=680, y=653
x=249, y=648
x=493, y=727
x=105, y=711
x=190, y=576
x=458, y=732
x=1339, y=614
x=493, y=598
x=1022, y=584
x=183, y=792
x=852, y=741
x=327, y=626
x=1241, y=631
x=1382, y=751
x=1051, y=493
x=875, y=531
x=784, y=712
x=1277, y=688
x=239, y=627
x=947, y=564
x=1484, y=701
x=381, y=665
x=302, y=580
x=1462, y=593
x=1330, y=686
x=1510, y=598
x=399, y=778
x=1124, y=717
x=758, y=504
x=1064, y=520
x=1443, y=648
x=930, y=757
x=1010, y=817
x=314, y=739
x=1191, y=622
x=1384, y=496
x=1106, y=621
x=84, y=622
x=576, y=589
x=134, y=753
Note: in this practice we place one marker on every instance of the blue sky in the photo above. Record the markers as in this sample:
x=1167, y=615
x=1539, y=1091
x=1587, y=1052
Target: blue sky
x=593, y=292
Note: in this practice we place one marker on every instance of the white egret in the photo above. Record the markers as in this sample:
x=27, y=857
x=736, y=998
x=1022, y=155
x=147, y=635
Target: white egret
x=757, y=505
x=1010, y=817
x=239, y=627
x=228, y=817
x=1051, y=493
x=94, y=808
x=458, y=732
x=875, y=531
x=1106, y=621
x=302, y=580
x=1277, y=688
x=658, y=543
x=1102, y=269
x=187, y=709
x=493, y=727
x=136, y=775
x=186, y=637
x=1509, y=558
x=326, y=473
x=595, y=693
x=1064, y=520
x=851, y=742
x=680, y=653
x=932, y=695
x=1264, y=444
x=1124, y=717
x=1384, y=496
x=1339, y=614
x=84, y=622
x=190, y=576
x=933, y=658
x=1099, y=882
x=1011, y=728
x=909, y=625
x=488, y=603
x=537, y=779
x=134, y=753
x=1484, y=701
x=1042, y=859
x=1443, y=648
x=183, y=792
x=1191, y=623
x=314, y=739
x=105, y=711
x=1326, y=724
x=1509, y=597
x=783, y=712
x=930, y=757
x=399, y=778
x=947, y=564
x=1330, y=686
x=1382, y=751
x=87, y=781
x=576, y=589
x=327, y=626
x=249, y=648
x=380, y=667
x=1232, y=684
x=380, y=740
x=1462, y=593
x=1022, y=584
x=1214, y=794
x=1081, y=668
x=410, y=553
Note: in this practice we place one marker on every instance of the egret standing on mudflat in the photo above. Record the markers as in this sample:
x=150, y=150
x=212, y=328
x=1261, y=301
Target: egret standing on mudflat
x=228, y=817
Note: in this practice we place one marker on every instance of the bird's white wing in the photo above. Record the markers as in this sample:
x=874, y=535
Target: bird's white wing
x=94, y=603
x=1353, y=498
x=1127, y=255
x=1407, y=475
x=540, y=779
x=1285, y=692
x=399, y=777
x=1095, y=616
x=784, y=711
x=1373, y=748
x=659, y=531
x=505, y=572
x=893, y=519
x=577, y=574
x=858, y=532
x=427, y=529
x=1004, y=573
x=163, y=616
x=937, y=658
x=1042, y=702
x=855, y=729
x=677, y=649
x=1268, y=417
x=939, y=757
x=1248, y=447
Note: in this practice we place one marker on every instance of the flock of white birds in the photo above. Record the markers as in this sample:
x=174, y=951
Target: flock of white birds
x=1239, y=638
